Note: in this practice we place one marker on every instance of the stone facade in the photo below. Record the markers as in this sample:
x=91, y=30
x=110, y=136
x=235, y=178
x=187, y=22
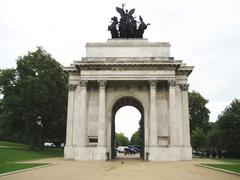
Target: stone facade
x=142, y=73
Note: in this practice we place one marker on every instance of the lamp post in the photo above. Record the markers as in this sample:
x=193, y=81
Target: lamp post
x=39, y=127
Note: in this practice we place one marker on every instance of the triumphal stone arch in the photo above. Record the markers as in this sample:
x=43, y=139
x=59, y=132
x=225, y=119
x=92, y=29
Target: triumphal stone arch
x=132, y=72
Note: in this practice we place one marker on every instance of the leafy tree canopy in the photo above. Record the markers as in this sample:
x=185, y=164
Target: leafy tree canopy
x=215, y=138
x=121, y=140
x=136, y=139
x=33, y=107
x=229, y=125
x=199, y=139
x=198, y=112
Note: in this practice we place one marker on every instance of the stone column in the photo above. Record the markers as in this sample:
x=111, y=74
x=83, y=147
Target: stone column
x=76, y=125
x=82, y=115
x=102, y=114
x=185, y=115
x=153, y=114
x=172, y=113
x=70, y=114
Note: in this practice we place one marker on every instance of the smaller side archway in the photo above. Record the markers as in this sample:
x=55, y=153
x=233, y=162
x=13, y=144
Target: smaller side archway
x=121, y=102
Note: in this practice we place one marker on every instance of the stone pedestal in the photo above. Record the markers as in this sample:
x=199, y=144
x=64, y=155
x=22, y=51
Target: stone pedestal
x=132, y=72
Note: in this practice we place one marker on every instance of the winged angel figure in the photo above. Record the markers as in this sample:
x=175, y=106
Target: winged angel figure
x=127, y=24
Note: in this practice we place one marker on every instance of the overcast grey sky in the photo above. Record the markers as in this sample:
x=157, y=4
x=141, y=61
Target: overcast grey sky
x=203, y=33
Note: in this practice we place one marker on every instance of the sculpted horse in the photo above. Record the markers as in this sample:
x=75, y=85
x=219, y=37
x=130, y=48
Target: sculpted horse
x=141, y=28
x=113, y=27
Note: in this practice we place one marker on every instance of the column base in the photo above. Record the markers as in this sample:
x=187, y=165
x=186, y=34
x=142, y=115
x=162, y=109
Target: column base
x=68, y=152
x=85, y=153
x=170, y=153
x=155, y=153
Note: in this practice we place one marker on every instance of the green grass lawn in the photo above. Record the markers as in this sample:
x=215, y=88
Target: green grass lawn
x=11, y=155
x=9, y=167
x=227, y=164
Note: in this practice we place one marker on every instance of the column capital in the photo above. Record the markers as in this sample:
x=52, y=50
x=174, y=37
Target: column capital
x=153, y=83
x=72, y=87
x=83, y=83
x=102, y=83
x=172, y=82
x=184, y=87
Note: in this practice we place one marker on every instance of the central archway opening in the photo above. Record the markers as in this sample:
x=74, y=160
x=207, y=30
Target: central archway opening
x=127, y=134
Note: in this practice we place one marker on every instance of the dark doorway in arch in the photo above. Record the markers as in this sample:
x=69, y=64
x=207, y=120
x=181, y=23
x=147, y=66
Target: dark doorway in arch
x=127, y=101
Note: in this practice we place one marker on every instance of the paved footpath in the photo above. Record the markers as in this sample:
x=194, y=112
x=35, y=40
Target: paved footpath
x=121, y=170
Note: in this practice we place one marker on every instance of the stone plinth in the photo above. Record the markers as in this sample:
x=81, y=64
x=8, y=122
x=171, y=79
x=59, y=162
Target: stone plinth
x=128, y=48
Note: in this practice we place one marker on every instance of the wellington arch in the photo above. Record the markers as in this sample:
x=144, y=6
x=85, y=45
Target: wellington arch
x=132, y=72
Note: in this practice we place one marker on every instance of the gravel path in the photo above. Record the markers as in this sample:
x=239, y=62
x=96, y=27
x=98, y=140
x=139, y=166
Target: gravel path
x=124, y=169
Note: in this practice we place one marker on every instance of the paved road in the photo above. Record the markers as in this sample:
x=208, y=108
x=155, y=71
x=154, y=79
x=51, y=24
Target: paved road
x=121, y=170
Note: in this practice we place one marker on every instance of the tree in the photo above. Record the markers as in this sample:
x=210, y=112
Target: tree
x=135, y=139
x=138, y=137
x=121, y=140
x=215, y=138
x=199, y=139
x=33, y=108
x=198, y=112
x=229, y=125
x=10, y=128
